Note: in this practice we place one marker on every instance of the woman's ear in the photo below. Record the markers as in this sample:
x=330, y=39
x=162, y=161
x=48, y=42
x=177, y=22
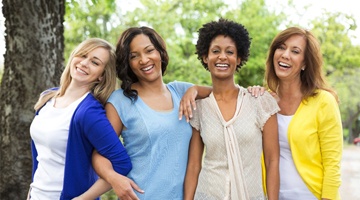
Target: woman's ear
x=100, y=78
x=238, y=61
x=205, y=59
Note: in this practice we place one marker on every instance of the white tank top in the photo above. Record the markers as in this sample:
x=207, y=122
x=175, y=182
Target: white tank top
x=292, y=187
x=49, y=131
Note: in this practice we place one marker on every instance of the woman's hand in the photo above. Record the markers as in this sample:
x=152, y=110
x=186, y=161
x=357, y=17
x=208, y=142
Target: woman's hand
x=187, y=103
x=256, y=90
x=123, y=187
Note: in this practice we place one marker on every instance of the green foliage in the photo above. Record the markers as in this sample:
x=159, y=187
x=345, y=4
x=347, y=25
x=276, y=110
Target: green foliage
x=262, y=25
x=332, y=30
x=90, y=18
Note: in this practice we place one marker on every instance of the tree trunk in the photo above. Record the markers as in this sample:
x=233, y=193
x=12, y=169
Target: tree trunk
x=33, y=62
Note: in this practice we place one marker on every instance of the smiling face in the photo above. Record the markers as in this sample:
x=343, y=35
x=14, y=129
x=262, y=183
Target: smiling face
x=89, y=68
x=222, y=57
x=145, y=60
x=289, y=58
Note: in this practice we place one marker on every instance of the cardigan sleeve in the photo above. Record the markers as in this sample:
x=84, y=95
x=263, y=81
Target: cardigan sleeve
x=331, y=145
x=34, y=158
x=103, y=138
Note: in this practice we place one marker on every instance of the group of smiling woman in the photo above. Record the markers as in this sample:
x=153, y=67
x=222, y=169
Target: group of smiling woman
x=285, y=143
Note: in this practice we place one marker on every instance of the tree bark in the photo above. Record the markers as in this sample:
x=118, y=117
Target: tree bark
x=33, y=62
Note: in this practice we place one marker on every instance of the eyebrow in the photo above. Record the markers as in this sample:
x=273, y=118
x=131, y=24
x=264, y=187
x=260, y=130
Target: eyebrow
x=218, y=46
x=98, y=59
x=293, y=47
x=296, y=47
x=150, y=45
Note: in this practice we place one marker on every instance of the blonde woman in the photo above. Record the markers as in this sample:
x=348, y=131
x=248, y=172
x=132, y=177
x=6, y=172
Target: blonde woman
x=70, y=123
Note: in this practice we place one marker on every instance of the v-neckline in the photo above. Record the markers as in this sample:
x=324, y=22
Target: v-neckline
x=239, y=101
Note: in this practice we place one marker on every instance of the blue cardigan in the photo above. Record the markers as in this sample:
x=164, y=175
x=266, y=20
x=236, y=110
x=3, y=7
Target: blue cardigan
x=89, y=130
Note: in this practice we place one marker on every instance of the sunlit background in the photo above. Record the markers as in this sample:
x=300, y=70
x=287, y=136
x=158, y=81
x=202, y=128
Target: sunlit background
x=306, y=10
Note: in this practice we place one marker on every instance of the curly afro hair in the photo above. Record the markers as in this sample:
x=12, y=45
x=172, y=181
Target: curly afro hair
x=228, y=28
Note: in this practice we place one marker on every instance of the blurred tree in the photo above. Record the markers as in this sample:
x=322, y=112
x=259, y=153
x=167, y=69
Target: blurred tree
x=345, y=82
x=262, y=25
x=90, y=18
x=33, y=62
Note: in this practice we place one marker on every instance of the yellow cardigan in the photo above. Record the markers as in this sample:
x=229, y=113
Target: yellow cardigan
x=316, y=142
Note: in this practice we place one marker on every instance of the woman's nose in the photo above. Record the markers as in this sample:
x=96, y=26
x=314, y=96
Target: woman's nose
x=84, y=62
x=144, y=59
x=285, y=54
x=222, y=55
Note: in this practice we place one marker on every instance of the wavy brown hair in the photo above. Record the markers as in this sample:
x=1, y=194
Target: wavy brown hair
x=312, y=78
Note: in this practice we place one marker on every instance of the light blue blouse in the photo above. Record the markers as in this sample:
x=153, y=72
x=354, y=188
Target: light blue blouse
x=157, y=143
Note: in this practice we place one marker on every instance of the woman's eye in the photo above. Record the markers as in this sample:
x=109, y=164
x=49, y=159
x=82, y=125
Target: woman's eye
x=132, y=56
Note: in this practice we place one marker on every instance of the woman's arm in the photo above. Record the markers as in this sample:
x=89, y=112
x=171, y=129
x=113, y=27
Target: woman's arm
x=331, y=145
x=95, y=191
x=123, y=186
x=271, y=157
x=187, y=102
x=196, y=150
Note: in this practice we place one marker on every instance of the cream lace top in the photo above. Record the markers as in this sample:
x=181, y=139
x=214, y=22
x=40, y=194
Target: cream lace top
x=232, y=164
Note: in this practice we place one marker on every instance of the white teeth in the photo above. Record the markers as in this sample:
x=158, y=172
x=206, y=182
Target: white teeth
x=221, y=65
x=283, y=64
x=81, y=71
x=147, y=68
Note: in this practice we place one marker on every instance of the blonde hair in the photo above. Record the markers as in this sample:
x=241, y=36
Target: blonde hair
x=100, y=89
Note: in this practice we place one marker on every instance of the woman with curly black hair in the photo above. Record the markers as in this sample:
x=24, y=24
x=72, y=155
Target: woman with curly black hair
x=235, y=127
